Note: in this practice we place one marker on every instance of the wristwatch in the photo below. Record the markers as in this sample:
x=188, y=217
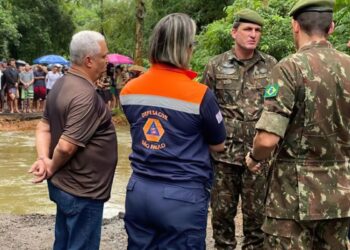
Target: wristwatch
x=253, y=158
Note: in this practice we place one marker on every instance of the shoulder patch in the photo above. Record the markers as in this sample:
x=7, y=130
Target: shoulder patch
x=271, y=90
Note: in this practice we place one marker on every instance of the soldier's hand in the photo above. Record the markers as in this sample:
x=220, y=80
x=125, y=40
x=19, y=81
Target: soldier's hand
x=252, y=165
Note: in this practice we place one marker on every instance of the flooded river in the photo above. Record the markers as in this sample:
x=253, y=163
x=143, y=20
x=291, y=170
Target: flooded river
x=19, y=196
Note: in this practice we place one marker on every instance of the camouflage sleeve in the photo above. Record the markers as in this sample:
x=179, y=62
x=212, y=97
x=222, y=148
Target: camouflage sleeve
x=272, y=123
x=208, y=76
x=274, y=61
x=271, y=60
x=279, y=99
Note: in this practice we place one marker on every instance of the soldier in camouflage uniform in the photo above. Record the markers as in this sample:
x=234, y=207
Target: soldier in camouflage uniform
x=238, y=78
x=306, y=113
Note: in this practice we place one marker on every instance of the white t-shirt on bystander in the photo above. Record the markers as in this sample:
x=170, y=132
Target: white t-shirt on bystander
x=51, y=79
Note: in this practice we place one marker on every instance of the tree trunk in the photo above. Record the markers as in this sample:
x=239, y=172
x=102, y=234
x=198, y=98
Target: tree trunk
x=102, y=18
x=140, y=15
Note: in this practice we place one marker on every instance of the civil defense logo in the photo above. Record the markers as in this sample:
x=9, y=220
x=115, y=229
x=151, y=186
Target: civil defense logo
x=153, y=130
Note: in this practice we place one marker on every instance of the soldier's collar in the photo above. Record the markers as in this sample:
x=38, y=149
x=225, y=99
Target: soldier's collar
x=256, y=57
x=313, y=44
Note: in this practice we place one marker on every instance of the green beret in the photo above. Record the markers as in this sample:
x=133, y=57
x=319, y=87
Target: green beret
x=249, y=16
x=312, y=6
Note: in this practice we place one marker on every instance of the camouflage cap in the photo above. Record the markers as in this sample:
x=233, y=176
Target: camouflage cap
x=312, y=6
x=249, y=16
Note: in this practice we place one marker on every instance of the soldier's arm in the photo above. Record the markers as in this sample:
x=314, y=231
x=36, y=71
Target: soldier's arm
x=278, y=107
x=208, y=76
x=264, y=144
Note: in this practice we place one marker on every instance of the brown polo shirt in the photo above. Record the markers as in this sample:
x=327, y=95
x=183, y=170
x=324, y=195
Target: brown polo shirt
x=76, y=113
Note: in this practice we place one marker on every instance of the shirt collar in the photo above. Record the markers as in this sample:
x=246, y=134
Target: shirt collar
x=256, y=57
x=189, y=73
x=316, y=44
x=79, y=73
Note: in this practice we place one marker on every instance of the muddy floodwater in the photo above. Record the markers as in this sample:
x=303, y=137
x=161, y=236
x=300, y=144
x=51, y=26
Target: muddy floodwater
x=19, y=196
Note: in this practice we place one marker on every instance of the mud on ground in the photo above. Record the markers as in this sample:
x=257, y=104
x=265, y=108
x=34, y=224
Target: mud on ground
x=21, y=122
x=36, y=232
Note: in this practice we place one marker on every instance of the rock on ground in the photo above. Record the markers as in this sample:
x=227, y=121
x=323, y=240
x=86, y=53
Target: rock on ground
x=36, y=232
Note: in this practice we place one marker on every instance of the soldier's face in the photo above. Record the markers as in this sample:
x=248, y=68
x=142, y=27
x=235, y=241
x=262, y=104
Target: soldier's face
x=247, y=36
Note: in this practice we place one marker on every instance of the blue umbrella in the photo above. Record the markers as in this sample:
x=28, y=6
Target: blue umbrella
x=51, y=59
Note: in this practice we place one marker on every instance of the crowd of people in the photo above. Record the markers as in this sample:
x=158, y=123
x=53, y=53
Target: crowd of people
x=113, y=80
x=273, y=134
x=24, y=87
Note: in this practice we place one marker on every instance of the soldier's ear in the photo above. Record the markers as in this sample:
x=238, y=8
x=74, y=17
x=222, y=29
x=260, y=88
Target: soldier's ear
x=331, y=28
x=295, y=26
x=233, y=33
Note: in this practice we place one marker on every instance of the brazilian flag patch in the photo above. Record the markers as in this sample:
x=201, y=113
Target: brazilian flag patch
x=271, y=90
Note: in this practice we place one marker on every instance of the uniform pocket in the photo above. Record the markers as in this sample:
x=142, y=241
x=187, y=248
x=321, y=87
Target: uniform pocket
x=281, y=227
x=131, y=184
x=184, y=194
x=260, y=81
x=324, y=191
x=227, y=88
x=229, y=82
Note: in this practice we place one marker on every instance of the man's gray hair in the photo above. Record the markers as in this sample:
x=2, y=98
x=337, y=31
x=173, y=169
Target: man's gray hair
x=84, y=43
x=172, y=39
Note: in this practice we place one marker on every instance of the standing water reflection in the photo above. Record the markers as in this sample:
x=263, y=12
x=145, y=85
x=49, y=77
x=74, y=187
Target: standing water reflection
x=19, y=196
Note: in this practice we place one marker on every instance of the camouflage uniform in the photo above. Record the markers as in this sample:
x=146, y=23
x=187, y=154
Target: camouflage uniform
x=309, y=185
x=239, y=87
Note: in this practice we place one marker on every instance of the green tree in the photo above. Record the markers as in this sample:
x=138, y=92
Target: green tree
x=44, y=28
x=8, y=29
x=117, y=24
x=276, y=36
x=202, y=12
x=341, y=34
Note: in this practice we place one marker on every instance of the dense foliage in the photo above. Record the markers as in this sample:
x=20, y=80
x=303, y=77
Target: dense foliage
x=29, y=30
x=277, y=37
x=34, y=29
x=203, y=12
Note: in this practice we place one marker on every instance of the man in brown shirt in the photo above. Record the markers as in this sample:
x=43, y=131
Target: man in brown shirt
x=77, y=147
